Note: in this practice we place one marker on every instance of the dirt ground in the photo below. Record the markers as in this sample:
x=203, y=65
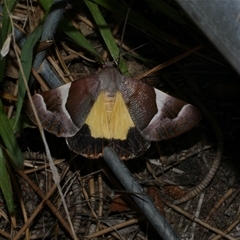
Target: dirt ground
x=167, y=171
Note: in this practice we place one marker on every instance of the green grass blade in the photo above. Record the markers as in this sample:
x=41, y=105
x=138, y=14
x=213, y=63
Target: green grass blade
x=23, y=122
x=106, y=34
x=67, y=27
x=5, y=30
x=5, y=183
x=26, y=62
x=135, y=19
x=9, y=140
x=46, y=4
x=166, y=9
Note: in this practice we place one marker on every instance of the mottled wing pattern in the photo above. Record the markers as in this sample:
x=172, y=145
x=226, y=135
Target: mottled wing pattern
x=157, y=115
x=174, y=118
x=63, y=110
x=140, y=101
x=83, y=143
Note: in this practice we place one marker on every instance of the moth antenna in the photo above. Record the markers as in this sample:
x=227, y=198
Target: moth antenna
x=120, y=54
x=123, y=32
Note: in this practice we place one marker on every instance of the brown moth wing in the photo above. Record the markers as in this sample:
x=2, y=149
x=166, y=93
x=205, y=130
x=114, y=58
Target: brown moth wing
x=140, y=101
x=63, y=110
x=156, y=114
x=174, y=118
x=83, y=143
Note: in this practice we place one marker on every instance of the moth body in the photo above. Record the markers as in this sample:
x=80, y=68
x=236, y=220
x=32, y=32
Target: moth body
x=110, y=109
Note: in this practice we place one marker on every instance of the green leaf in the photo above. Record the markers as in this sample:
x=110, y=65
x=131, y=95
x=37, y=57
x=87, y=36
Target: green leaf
x=67, y=27
x=5, y=30
x=26, y=62
x=166, y=9
x=5, y=183
x=135, y=19
x=9, y=140
x=23, y=122
x=106, y=34
x=46, y=4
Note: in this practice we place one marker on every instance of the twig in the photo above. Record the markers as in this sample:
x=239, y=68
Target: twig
x=197, y=213
x=143, y=201
x=202, y=223
x=100, y=190
x=45, y=198
x=186, y=208
x=114, y=227
x=230, y=227
x=219, y=203
x=170, y=62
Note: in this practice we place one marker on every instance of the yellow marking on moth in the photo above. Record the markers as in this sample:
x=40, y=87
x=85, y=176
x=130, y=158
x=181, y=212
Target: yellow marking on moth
x=109, y=117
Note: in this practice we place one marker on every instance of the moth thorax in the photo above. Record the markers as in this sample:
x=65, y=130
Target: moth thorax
x=109, y=102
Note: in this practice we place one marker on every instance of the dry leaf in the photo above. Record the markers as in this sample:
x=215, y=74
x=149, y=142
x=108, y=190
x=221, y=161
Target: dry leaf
x=118, y=205
x=175, y=191
x=153, y=192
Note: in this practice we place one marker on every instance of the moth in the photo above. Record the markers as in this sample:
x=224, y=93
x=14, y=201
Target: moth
x=110, y=109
